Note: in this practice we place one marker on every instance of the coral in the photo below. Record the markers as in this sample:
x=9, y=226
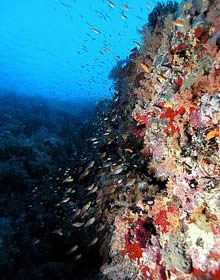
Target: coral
x=133, y=250
x=175, y=111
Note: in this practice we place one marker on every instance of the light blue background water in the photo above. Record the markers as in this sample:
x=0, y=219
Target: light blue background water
x=48, y=47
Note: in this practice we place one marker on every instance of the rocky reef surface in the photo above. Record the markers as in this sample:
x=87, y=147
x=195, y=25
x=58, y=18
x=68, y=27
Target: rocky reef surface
x=158, y=181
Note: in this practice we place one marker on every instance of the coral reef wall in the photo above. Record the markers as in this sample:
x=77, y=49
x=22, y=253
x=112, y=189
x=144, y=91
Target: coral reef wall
x=159, y=186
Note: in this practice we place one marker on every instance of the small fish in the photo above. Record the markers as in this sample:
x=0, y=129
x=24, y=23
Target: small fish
x=93, y=190
x=36, y=241
x=58, y=231
x=148, y=5
x=91, y=164
x=145, y=67
x=101, y=227
x=161, y=78
x=68, y=180
x=107, y=50
x=117, y=170
x=66, y=199
x=111, y=4
x=77, y=213
x=86, y=207
x=93, y=139
x=128, y=150
x=168, y=104
x=90, y=187
x=212, y=133
x=84, y=174
x=93, y=242
x=73, y=249
x=117, y=57
x=125, y=7
x=123, y=16
x=107, y=133
x=103, y=155
x=131, y=182
x=78, y=224
x=120, y=181
x=95, y=143
x=178, y=23
x=78, y=257
x=137, y=44
x=90, y=222
x=95, y=30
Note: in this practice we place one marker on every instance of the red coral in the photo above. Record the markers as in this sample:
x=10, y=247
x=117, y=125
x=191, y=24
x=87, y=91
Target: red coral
x=180, y=47
x=168, y=114
x=161, y=220
x=145, y=272
x=187, y=36
x=171, y=114
x=142, y=120
x=206, y=274
x=204, y=38
x=180, y=34
x=179, y=81
x=198, y=32
x=133, y=250
x=216, y=275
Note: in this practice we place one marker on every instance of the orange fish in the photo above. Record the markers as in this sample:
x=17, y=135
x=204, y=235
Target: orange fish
x=145, y=68
x=178, y=23
x=212, y=133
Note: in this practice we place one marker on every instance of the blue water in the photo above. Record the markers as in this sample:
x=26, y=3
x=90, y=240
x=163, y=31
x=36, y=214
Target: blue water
x=48, y=47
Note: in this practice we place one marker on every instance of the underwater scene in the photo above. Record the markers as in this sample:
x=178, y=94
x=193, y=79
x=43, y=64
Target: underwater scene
x=109, y=140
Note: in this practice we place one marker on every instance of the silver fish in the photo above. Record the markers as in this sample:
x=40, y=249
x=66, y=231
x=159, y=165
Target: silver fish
x=73, y=249
x=77, y=213
x=78, y=224
x=131, y=182
x=58, y=231
x=95, y=30
x=84, y=174
x=137, y=44
x=91, y=164
x=93, y=242
x=68, y=180
x=111, y=4
x=36, y=241
x=123, y=16
x=117, y=170
x=90, y=222
x=78, y=257
x=86, y=207
x=93, y=190
x=101, y=227
x=90, y=187
x=66, y=199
